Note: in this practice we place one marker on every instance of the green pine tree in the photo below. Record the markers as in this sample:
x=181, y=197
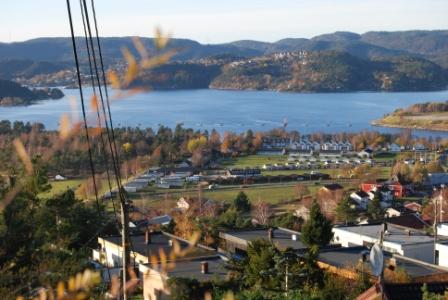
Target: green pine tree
x=317, y=231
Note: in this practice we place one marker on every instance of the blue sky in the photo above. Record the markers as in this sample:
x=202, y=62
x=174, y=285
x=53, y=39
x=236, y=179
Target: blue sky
x=216, y=21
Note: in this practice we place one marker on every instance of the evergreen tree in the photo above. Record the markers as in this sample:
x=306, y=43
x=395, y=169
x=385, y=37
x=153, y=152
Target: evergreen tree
x=344, y=211
x=317, y=231
x=241, y=202
x=374, y=210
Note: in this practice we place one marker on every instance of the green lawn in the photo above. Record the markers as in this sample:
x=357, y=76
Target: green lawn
x=58, y=187
x=271, y=194
x=254, y=161
x=384, y=172
x=385, y=156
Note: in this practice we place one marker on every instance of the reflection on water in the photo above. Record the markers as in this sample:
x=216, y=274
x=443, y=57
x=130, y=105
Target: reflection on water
x=242, y=110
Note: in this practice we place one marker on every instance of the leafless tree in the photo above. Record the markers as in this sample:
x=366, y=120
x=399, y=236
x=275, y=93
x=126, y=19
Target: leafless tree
x=262, y=211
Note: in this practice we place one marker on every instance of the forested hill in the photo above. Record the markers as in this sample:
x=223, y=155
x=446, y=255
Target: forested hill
x=340, y=61
x=12, y=93
x=331, y=71
x=432, y=45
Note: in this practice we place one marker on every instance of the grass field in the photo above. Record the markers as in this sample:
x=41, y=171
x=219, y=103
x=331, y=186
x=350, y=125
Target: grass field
x=384, y=157
x=253, y=161
x=384, y=172
x=58, y=187
x=275, y=195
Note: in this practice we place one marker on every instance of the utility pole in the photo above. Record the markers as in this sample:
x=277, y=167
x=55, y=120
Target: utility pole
x=126, y=259
x=435, y=200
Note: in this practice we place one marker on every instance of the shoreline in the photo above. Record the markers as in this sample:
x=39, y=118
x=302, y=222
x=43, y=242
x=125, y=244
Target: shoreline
x=376, y=123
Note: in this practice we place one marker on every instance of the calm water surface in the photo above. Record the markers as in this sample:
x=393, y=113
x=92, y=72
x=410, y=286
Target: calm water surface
x=240, y=110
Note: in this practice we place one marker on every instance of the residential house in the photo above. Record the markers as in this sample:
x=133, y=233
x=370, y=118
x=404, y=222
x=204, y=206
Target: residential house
x=205, y=268
x=275, y=143
x=362, y=198
x=418, y=147
x=414, y=206
x=398, y=211
x=243, y=172
x=436, y=179
x=442, y=229
x=388, y=189
x=332, y=187
x=330, y=154
x=441, y=254
x=199, y=261
x=349, y=262
x=171, y=181
x=394, y=148
x=303, y=145
x=300, y=154
x=411, y=222
x=236, y=242
x=366, y=153
x=408, y=291
x=405, y=242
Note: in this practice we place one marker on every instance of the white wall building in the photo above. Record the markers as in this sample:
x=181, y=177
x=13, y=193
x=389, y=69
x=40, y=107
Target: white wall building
x=409, y=243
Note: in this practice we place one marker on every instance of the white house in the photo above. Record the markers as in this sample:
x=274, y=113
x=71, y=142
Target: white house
x=410, y=243
x=362, y=198
x=395, y=148
x=183, y=203
x=442, y=229
x=419, y=147
x=366, y=153
x=441, y=254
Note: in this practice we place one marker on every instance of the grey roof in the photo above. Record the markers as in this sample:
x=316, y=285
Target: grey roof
x=192, y=268
x=282, y=237
x=437, y=178
x=159, y=241
x=160, y=220
x=350, y=257
x=394, y=234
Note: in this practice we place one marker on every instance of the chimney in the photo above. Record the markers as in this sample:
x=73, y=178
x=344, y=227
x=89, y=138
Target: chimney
x=147, y=237
x=294, y=237
x=204, y=267
x=392, y=264
x=364, y=256
x=270, y=233
x=170, y=242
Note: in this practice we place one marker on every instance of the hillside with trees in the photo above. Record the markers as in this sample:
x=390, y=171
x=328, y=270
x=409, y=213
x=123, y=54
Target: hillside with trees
x=429, y=115
x=331, y=71
x=432, y=45
x=12, y=93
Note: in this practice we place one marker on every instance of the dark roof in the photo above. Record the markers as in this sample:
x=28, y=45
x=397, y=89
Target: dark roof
x=160, y=220
x=300, y=151
x=330, y=151
x=333, y=186
x=350, y=257
x=244, y=171
x=410, y=220
x=368, y=150
x=282, y=237
x=436, y=178
x=159, y=241
x=192, y=268
x=412, y=291
x=362, y=194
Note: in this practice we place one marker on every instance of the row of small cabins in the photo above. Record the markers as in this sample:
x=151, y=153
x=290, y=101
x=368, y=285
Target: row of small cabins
x=279, y=143
x=406, y=249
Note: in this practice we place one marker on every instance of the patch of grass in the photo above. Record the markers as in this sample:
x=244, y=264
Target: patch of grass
x=385, y=156
x=252, y=161
x=59, y=187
